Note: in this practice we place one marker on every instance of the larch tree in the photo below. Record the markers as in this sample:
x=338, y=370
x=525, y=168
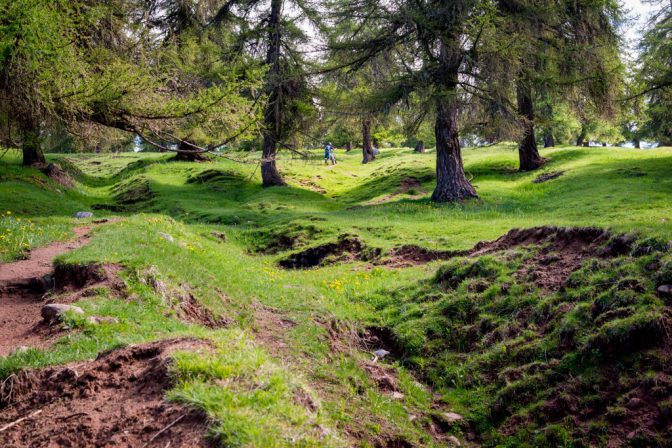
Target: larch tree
x=82, y=64
x=275, y=33
x=558, y=49
x=654, y=76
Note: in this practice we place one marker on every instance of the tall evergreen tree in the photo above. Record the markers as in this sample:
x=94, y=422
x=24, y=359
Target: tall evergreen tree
x=654, y=75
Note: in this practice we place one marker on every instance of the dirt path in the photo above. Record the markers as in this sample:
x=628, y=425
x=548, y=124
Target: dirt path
x=20, y=303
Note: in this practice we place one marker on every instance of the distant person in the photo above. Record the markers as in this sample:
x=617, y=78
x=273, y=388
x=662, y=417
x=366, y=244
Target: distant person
x=329, y=154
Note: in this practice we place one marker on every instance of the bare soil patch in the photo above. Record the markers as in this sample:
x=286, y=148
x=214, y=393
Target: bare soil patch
x=57, y=174
x=561, y=251
x=347, y=249
x=115, y=400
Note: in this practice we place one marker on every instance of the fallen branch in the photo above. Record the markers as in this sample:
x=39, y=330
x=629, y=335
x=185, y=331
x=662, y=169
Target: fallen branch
x=16, y=422
x=68, y=417
x=164, y=430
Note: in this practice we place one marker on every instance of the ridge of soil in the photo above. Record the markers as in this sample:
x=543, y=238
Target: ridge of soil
x=561, y=251
x=21, y=297
x=348, y=248
x=115, y=400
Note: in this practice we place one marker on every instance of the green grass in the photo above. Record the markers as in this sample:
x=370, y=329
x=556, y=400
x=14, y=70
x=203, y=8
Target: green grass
x=247, y=386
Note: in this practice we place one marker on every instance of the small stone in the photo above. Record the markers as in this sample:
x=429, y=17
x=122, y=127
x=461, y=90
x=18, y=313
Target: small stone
x=96, y=320
x=452, y=417
x=665, y=290
x=53, y=311
x=82, y=215
x=453, y=441
x=397, y=396
x=167, y=237
x=21, y=349
x=381, y=353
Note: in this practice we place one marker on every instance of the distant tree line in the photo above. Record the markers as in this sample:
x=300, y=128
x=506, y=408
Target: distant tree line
x=195, y=77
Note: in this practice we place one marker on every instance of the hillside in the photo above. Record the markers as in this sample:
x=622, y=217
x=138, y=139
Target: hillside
x=257, y=312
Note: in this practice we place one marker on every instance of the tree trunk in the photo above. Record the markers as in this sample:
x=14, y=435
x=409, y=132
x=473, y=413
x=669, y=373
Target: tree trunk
x=32, y=148
x=367, y=149
x=420, y=146
x=604, y=144
x=582, y=136
x=348, y=147
x=270, y=175
x=549, y=141
x=269, y=171
x=451, y=182
x=527, y=147
x=638, y=143
x=189, y=154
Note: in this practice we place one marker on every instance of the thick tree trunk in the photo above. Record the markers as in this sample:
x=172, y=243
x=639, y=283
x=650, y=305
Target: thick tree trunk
x=270, y=175
x=638, y=143
x=549, y=141
x=32, y=148
x=604, y=144
x=420, y=146
x=187, y=153
x=528, y=154
x=367, y=148
x=348, y=147
x=451, y=182
x=269, y=171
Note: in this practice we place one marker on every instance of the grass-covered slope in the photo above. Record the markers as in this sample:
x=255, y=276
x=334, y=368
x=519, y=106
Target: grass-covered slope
x=542, y=343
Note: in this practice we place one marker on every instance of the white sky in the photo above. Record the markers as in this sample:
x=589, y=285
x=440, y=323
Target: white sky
x=639, y=12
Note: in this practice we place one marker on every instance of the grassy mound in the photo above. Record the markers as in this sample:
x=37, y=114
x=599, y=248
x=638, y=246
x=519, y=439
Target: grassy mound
x=582, y=364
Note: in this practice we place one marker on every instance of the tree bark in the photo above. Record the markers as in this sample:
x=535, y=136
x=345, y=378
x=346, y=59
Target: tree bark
x=367, y=148
x=582, y=136
x=188, y=155
x=451, y=182
x=420, y=146
x=549, y=141
x=32, y=148
x=638, y=143
x=348, y=147
x=270, y=175
x=528, y=154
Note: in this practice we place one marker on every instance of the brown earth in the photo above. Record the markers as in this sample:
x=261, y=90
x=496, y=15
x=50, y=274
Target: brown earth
x=561, y=251
x=346, y=249
x=113, y=401
x=57, y=174
x=21, y=296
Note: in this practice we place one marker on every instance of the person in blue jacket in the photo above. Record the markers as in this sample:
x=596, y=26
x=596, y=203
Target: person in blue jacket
x=329, y=155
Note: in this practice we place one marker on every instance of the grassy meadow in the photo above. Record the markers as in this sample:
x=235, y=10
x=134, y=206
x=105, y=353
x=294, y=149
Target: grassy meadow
x=290, y=332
